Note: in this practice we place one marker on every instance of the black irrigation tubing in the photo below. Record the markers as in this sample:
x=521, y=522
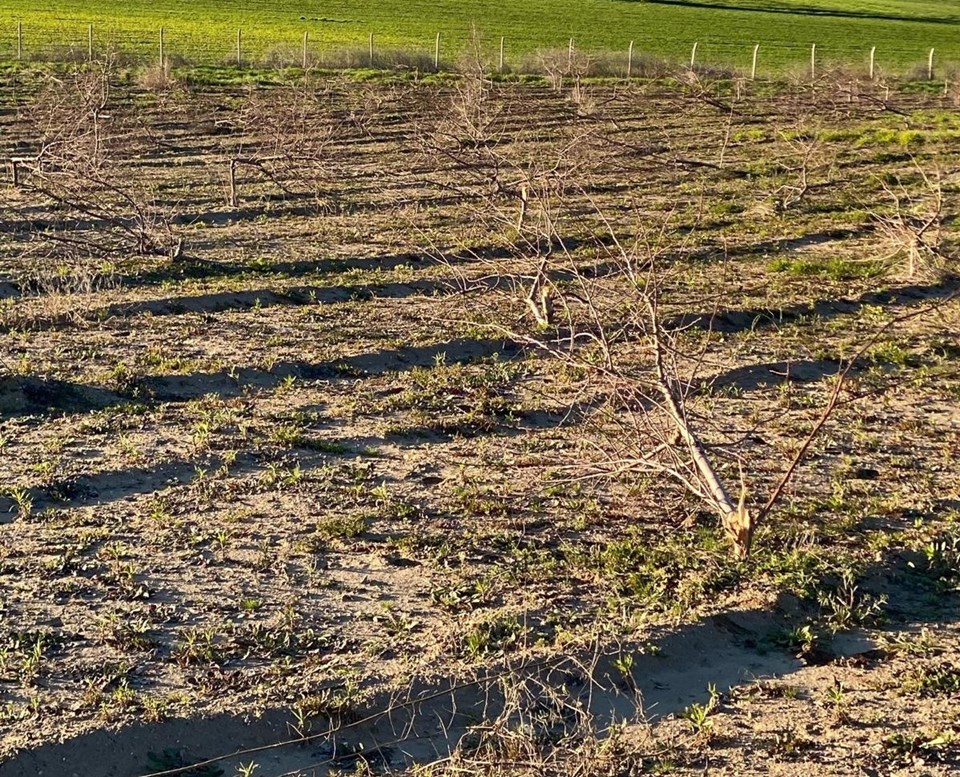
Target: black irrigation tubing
x=368, y=719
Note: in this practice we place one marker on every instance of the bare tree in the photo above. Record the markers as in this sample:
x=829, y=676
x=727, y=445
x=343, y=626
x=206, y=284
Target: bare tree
x=913, y=227
x=76, y=164
x=601, y=295
x=284, y=135
x=608, y=322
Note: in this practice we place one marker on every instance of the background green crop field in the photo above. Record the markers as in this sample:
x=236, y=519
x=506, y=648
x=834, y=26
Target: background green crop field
x=205, y=31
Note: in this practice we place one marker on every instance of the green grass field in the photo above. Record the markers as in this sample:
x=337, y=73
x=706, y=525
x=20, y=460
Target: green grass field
x=205, y=32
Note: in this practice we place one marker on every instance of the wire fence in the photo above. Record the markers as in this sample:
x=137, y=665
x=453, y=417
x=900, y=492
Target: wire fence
x=257, y=48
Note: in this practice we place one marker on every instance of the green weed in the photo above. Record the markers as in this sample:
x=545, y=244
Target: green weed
x=942, y=680
x=698, y=715
x=836, y=268
x=493, y=636
x=341, y=527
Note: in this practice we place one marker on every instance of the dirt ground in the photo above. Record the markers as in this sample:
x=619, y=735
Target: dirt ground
x=272, y=466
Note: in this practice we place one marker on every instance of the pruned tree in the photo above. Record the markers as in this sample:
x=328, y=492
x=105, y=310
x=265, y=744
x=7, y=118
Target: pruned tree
x=912, y=228
x=283, y=136
x=511, y=173
x=75, y=163
x=603, y=295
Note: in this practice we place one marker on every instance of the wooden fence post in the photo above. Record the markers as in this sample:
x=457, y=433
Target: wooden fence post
x=813, y=62
x=630, y=61
x=930, y=65
x=371, y=49
x=436, y=54
x=90, y=43
x=163, y=62
x=753, y=67
x=693, y=55
x=501, y=53
x=19, y=39
x=570, y=49
x=873, y=60
x=239, y=49
x=233, y=183
x=303, y=60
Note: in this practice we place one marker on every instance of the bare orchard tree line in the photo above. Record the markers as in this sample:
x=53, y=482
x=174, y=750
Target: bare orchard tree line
x=596, y=281
x=70, y=162
x=598, y=288
x=83, y=147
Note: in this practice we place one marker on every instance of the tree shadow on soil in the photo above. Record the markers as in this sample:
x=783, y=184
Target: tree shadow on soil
x=114, y=485
x=732, y=320
x=279, y=206
x=461, y=350
x=591, y=689
x=21, y=396
x=25, y=395
x=256, y=299
x=774, y=246
x=754, y=377
x=225, y=301
x=192, y=268
x=424, y=722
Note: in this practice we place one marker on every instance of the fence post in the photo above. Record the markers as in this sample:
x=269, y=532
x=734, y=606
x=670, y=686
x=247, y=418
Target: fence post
x=436, y=54
x=162, y=60
x=501, y=53
x=239, y=49
x=630, y=61
x=570, y=47
x=232, y=179
x=873, y=59
x=303, y=62
x=813, y=62
x=930, y=65
x=371, y=49
x=693, y=55
x=90, y=43
x=19, y=39
x=753, y=67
